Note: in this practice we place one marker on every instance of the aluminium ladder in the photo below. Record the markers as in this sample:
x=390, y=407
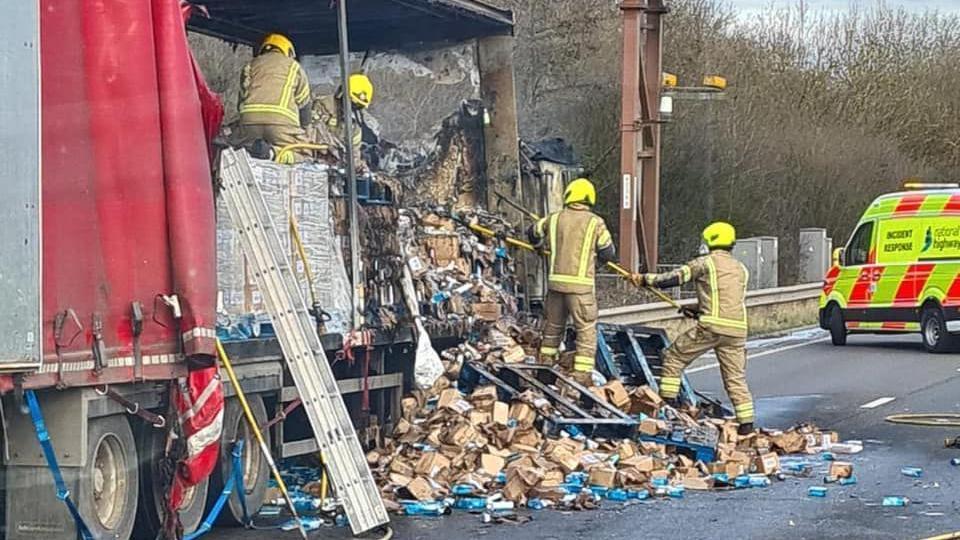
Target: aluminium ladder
x=302, y=349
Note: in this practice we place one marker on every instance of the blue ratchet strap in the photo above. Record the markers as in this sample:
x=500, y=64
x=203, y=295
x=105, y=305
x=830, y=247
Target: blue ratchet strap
x=236, y=479
x=44, y=438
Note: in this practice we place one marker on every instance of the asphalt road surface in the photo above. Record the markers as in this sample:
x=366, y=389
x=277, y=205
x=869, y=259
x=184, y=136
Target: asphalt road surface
x=794, y=379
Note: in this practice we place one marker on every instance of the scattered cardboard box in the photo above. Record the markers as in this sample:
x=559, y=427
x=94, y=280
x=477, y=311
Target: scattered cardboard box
x=617, y=395
x=486, y=311
x=492, y=464
x=522, y=413
x=767, y=463
x=420, y=489
x=841, y=469
x=501, y=413
x=432, y=464
x=603, y=476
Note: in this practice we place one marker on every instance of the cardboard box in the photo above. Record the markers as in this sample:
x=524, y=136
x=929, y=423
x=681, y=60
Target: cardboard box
x=645, y=400
x=464, y=435
x=432, y=464
x=734, y=469
x=552, y=479
x=631, y=477
x=841, y=469
x=399, y=479
x=515, y=490
x=491, y=464
x=486, y=311
x=420, y=489
x=603, y=476
x=443, y=248
x=650, y=426
x=641, y=463
x=479, y=418
x=617, y=395
x=531, y=476
x=501, y=413
x=627, y=449
x=451, y=400
x=522, y=413
x=567, y=460
x=659, y=473
x=767, y=463
x=401, y=466
x=484, y=397
x=699, y=483
x=409, y=408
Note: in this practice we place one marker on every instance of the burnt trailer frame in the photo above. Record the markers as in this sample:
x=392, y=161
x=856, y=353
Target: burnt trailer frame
x=395, y=25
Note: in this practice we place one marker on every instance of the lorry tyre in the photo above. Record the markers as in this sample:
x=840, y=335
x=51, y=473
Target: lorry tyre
x=109, y=483
x=150, y=512
x=256, y=470
x=838, y=327
x=933, y=329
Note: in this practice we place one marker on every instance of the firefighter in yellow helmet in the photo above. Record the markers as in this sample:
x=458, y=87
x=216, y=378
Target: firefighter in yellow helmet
x=576, y=239
x=721, y=283
x=274, y=99
x=328, y=116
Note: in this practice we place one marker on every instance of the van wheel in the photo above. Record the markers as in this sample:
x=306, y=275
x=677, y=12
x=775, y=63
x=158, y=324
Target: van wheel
x=933, y=329
x=109, y=484
x=838, y=328
x=256, y=470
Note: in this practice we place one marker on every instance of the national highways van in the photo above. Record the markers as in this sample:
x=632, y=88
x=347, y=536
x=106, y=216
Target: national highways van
x=900, y=270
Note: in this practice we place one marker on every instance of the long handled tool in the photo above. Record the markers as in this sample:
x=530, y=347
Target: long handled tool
x=621, y=271
x=259, y=436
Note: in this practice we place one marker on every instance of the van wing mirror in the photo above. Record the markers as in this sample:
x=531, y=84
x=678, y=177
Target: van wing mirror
x=838, y=256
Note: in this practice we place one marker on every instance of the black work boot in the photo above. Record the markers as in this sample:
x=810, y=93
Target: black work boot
x=745, y=429
x=673, y=402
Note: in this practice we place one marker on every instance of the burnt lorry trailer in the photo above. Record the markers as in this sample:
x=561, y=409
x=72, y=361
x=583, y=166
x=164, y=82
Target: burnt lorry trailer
x=109, y=266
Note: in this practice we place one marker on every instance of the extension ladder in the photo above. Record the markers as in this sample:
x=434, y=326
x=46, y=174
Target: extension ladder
x=304, y=354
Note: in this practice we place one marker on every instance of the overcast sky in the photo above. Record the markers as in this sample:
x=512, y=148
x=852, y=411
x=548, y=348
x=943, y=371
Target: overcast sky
x=918, y=5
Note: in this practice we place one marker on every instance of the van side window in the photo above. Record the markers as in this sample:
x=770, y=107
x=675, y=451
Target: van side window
x=859, y=250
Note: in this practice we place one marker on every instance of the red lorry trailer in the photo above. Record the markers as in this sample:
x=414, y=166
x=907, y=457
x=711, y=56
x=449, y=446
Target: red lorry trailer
x=107, y=194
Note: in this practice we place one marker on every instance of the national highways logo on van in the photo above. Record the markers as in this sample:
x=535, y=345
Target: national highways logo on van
x=927, y=240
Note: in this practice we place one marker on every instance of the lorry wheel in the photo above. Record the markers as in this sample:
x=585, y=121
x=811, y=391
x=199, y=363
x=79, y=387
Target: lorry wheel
x=838, y=328
x=109, y=483
x=933, y=329
x=150, y=513
x=256, y=471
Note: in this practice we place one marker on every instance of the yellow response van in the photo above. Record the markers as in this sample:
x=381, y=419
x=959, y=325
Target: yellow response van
x=900, y=271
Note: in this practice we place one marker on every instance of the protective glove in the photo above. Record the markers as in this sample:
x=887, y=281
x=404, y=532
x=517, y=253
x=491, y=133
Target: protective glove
x=639, y=280
x=690, y=313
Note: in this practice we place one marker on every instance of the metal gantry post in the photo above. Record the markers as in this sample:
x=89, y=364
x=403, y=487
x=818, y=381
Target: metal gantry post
x=640, y=132
x=355, y=262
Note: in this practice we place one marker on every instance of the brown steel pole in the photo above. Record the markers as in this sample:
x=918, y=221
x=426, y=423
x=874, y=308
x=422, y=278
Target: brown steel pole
x=629, y=136
x=640, y=132
x=650, y=176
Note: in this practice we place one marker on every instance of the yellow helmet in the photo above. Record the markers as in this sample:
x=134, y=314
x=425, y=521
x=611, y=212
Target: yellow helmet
x=580, y=191
x=278, y=41
x=361, y=90
x=719, y=234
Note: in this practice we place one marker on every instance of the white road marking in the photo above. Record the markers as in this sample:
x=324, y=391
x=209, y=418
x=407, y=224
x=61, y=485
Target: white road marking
x=761, y=354
x=877, y=402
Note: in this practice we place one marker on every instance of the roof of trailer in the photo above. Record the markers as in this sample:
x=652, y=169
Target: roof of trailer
x=372, y=24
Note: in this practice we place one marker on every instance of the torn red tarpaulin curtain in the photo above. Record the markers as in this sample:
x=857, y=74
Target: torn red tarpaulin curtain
x=211, y=106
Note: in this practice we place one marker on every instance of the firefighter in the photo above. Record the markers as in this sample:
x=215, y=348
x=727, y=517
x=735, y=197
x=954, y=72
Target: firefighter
x=274, y=100
x=576, y=239
x=328, y=116
x=721, y=283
